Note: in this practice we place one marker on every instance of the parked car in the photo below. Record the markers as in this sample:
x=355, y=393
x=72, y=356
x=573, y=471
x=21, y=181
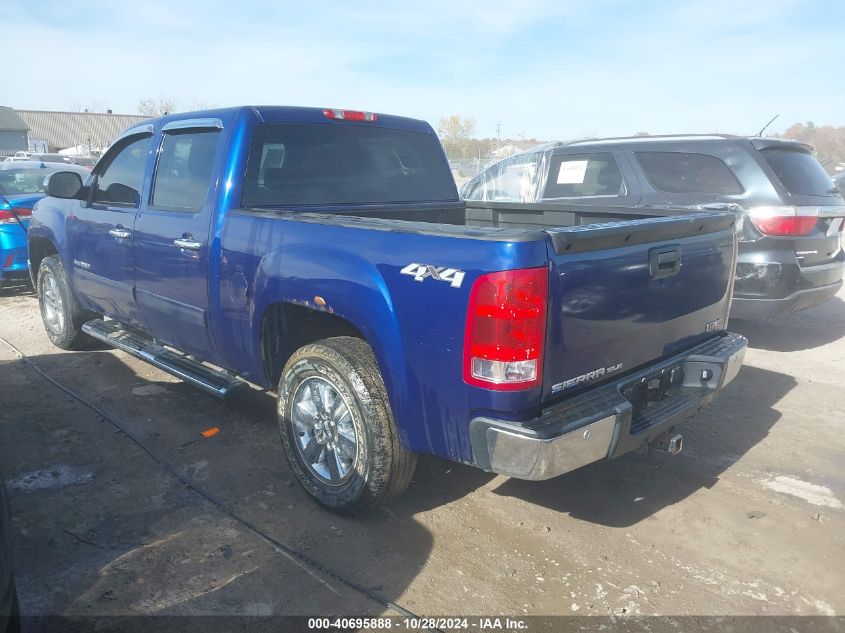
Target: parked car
x=84, y=161
x=21, y=186
x=50, y=158
x=789, y=216
x=325, y=254
x=9, y=612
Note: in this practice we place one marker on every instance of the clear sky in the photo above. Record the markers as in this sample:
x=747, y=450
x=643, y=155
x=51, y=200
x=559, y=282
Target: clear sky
x=550, y=70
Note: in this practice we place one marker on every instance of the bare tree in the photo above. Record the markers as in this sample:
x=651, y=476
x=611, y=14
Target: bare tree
x=90, y=106
x=159, y=106
x=156, y=106
x=193, y=104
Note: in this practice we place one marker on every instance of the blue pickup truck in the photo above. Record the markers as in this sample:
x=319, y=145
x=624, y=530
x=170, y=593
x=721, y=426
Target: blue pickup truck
x=325, y=255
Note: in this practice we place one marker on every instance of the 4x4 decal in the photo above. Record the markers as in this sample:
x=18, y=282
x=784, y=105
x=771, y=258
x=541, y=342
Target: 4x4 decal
x=452, y=276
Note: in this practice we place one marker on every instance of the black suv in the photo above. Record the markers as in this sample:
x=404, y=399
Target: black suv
x=790, y=212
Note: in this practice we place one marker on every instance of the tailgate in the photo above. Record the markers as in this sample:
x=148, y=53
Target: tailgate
x=624, y=294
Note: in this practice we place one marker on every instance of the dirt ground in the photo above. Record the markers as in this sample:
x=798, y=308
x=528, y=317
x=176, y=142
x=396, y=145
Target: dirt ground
x=749, y=519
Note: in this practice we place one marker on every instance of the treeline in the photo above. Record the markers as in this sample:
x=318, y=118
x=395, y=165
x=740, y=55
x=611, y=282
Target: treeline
x=457, y=135
x=828, y=140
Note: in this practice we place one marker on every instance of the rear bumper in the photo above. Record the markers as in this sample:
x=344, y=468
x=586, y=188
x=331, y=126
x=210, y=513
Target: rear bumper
x=771, y=283
x=601, y=423
x=748, y=308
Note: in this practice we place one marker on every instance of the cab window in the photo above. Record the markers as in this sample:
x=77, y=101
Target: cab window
x=184, y=170
x=121, y=175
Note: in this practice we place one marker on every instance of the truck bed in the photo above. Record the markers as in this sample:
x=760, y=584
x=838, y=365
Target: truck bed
x=613, y=306
x=509, y=215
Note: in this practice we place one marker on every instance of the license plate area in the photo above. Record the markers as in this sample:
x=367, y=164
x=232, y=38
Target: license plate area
x=653, y=388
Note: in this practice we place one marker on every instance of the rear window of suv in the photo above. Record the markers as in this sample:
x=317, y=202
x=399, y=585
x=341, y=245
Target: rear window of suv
x=327, y=164
x=684, y=172
x=799, y=171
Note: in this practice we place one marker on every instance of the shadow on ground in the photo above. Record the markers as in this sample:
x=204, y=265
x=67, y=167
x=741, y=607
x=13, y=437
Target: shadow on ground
x=627, y=490
x=125, y=536
x=18, y=290
x=805, y=330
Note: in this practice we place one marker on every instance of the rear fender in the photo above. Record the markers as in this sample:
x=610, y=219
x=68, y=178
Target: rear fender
x=347, y=286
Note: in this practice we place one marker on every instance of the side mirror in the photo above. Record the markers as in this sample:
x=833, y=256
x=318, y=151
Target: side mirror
x=63, y=184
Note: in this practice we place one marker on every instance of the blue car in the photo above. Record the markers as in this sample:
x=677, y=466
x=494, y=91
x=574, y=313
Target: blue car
x=21, y=186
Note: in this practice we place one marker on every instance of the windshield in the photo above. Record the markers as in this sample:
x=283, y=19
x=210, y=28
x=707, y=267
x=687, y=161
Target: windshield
x=800, y=172
x=14, y=182
x=327, y=164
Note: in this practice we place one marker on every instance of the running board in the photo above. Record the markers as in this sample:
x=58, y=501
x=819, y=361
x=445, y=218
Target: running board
x=214, y=381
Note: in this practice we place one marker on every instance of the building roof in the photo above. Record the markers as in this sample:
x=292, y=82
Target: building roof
x=67, y=129
x=11, y=121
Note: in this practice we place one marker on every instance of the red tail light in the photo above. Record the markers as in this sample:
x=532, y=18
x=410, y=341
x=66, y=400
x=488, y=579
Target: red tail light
x=7, y=217
x=505, y=330
x=782, y=221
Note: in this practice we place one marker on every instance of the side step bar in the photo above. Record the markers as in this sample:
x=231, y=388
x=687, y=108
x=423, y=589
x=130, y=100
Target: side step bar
x=214, y=381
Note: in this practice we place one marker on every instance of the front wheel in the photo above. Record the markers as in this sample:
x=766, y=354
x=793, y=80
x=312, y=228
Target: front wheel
x=337, y=427
x=61, y=314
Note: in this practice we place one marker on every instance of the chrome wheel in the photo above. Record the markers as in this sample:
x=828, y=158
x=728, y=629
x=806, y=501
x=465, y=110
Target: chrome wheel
x=54, y=315
x=326, y=437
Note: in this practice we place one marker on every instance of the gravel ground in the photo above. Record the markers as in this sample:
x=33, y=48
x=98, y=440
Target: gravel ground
x=749, y=519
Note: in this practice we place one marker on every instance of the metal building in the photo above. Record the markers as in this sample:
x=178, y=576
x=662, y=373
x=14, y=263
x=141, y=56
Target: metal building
x=61, y=130
x=13, y=132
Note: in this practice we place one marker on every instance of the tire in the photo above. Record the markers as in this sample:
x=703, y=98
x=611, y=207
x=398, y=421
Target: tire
x=60, y=312
x=328, y=391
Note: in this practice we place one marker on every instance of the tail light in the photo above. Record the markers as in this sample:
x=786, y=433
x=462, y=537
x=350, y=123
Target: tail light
x=7, y=215
x=350, y=115
x=505, y=330
x=782, y=221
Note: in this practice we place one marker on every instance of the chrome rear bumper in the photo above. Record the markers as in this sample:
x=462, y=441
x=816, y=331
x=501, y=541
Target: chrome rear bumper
x=602, y=423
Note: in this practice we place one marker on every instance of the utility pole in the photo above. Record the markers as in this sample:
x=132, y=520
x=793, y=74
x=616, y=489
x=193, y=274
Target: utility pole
x=498, y=135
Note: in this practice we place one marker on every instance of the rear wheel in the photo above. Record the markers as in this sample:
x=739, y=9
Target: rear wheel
x=60, y=312
x=337, y=427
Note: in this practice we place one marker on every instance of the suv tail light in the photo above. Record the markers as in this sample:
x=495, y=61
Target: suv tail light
x=782, y=221
x=505, y=330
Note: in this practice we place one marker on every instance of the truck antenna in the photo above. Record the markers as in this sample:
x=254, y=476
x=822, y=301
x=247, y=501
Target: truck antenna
x=763, y=129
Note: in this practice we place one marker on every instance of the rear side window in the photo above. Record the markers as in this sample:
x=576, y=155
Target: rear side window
x=683, y=172
x=799, y=171
x=511, y=180
x=328, y=164
x=584, y=175
x=183, y=175
x=121, y=174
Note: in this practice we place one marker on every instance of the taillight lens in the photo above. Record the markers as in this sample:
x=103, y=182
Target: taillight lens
x=782, y=221
x=7, y=217
x=505, y=330
x=350, y=115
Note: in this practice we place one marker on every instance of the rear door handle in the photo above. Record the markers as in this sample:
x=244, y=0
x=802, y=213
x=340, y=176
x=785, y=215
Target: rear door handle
x=664, y=261
x=120, y=233
x=187, y=243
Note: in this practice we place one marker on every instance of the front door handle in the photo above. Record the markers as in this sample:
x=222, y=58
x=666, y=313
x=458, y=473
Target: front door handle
x=188, y=243
x=120, y=233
